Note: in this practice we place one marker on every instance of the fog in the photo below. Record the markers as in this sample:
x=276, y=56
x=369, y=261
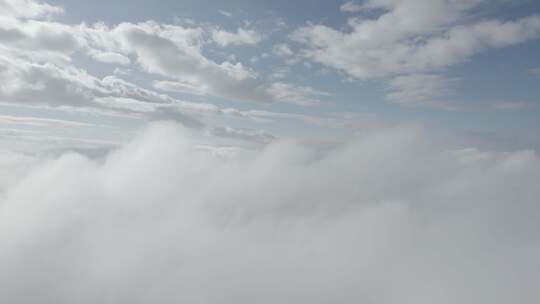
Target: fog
x=388, y=217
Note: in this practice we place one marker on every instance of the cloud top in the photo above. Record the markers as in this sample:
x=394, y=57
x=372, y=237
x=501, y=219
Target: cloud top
x=388, y=217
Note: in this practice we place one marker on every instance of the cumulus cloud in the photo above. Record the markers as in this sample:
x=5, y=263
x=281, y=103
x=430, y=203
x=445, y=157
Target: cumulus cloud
x=26, y=82
x=54, y=85
x=410, y=36
x=161, y=50
x=240, y=37
x=174, y=52
x=171, y=51
x=35, y=36
x=385, y=218
x=50, y=84
x=405, y=39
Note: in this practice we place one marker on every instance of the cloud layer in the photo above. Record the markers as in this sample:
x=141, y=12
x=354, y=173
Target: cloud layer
x=388, y=217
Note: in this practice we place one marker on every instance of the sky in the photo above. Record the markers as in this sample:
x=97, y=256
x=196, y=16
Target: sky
x=368, y=151
x=466, y=69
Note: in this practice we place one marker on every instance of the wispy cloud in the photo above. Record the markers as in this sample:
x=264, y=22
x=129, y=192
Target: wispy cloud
x=225, y=13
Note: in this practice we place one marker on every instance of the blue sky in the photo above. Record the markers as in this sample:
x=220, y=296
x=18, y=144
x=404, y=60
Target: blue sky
x=472, y=68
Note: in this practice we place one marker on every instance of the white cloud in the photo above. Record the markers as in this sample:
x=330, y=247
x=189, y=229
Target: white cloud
x=282, y=50
x=175, y=86
x=249, y=135
x=301, y=95
x=13, y=167
x=240, y=37
x=121, y=71
x=174, y=52
x=171, y=51
x=421, y=89
x=31, y=75
x=52, y=85
x=385, y=218
x=225, y=13
x=28, y=9
x=351, y=7
x=31, y=36
x=411, y=36
x=25, y=82
x=48, y=84
x=111, y=57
